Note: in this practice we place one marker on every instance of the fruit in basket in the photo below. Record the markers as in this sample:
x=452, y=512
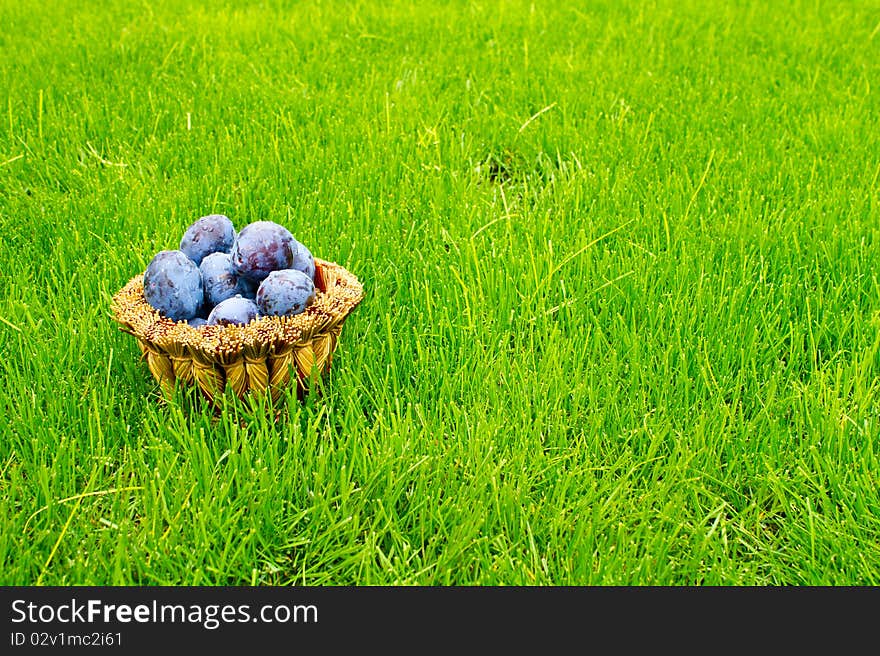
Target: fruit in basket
x=292, y=350
x=235, y=311
x=210, y=234
x=261, y=248
x=173, y=285
x=303, y=261
x=220, y=281
x=285, y=293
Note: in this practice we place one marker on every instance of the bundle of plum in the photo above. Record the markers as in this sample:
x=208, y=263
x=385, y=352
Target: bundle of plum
x=220, y=277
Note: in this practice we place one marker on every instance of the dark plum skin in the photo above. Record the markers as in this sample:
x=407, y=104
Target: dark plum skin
x=173, y=285
x=285, y=293
x=220, y=281
x=210, y=234
x=235, y=311
x=261, y=248
x=303, y=260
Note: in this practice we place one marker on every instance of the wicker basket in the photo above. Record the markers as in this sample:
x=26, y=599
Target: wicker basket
x=266, y=355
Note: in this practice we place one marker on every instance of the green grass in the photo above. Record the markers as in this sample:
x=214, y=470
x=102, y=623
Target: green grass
x=622, y=311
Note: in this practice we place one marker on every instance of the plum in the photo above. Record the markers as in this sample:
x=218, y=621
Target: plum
x=173, y=285
x=261, y=248
x=210, y=234
x=285, y=293
x=303, y=260
x=220, y=281
x=235, y=311
x=197, y=322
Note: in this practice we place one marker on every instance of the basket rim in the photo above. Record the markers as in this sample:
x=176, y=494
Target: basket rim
x=338, y=292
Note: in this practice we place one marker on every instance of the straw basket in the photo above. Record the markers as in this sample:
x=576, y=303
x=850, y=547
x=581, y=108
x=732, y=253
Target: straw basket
x=268, y=354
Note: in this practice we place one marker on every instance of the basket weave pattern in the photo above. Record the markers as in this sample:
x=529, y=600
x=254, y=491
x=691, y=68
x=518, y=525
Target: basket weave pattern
x=268, y=354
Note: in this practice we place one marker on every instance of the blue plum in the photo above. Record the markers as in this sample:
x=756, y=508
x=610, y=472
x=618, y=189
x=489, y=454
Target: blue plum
x=285, y=293
x=173, y=285
x=210, y=234
x=261, y=248
x=197, y=322
x=235, y=311
x=220, y=281
x=303, y=260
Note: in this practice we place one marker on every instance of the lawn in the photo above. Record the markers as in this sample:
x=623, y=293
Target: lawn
x=621, y=321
